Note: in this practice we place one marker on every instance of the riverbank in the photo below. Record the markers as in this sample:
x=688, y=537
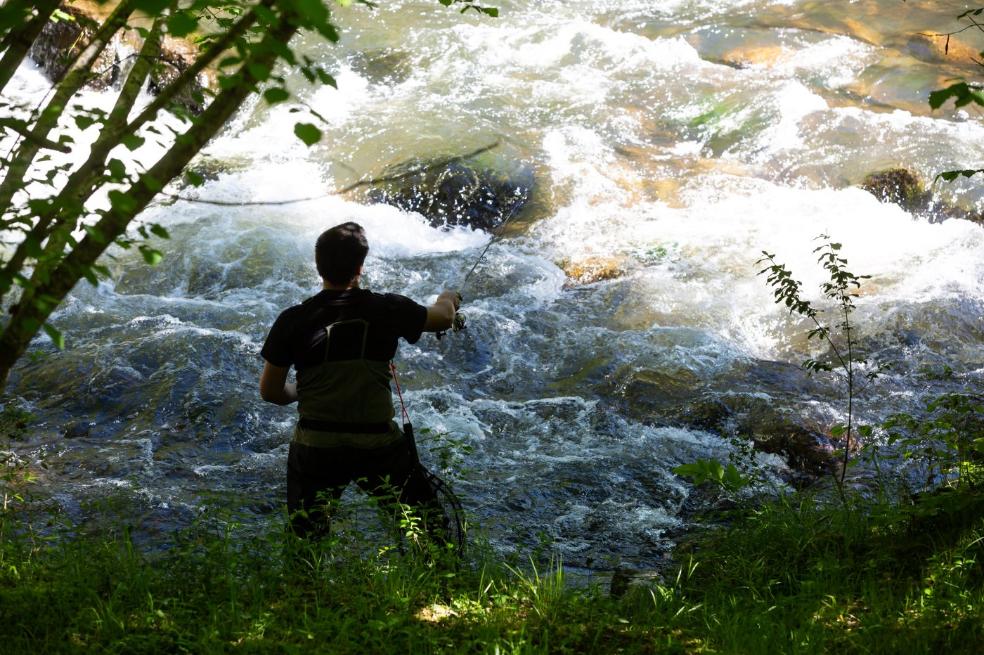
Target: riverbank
x=790, y=576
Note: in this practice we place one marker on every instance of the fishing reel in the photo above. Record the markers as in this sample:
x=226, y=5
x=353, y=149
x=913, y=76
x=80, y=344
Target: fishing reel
x=457, y=325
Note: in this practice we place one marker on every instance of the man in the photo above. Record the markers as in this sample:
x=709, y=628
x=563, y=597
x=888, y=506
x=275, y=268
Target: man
x=341, y=342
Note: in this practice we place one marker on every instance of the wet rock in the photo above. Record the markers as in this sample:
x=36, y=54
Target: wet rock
x=14, y=421
x=940, y=50
x=654, y=394
x=177, y=56
x=210, y=168
x=899, y=186
x=592, y=269
x=458, y=192
x=63, y=38
x=773, y=430
x=733, y=405
x=78, y=430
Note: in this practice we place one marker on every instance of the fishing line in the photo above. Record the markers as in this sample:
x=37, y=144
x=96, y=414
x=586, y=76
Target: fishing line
x=458, y=322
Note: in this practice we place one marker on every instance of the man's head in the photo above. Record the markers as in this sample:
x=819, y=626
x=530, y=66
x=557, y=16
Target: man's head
x=340, y=252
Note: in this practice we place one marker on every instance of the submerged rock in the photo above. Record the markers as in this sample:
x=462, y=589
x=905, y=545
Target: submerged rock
x=382, y=66
x=734, y=406
x=748, y=56
x=458, y=192
x=773, y=430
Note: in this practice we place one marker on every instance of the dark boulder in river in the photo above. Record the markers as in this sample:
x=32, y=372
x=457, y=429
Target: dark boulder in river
x=457, y=192
x=63, y=39
x=899, y=186
x=906, y=189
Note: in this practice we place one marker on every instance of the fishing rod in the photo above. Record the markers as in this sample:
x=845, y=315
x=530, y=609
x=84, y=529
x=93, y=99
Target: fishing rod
x=458, y=322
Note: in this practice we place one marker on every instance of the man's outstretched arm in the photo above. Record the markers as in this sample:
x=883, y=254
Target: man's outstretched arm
x=440, y=315
x=274, y=387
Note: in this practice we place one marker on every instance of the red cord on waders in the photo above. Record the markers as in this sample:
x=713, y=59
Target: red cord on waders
x=454, y=514
x=407, y=426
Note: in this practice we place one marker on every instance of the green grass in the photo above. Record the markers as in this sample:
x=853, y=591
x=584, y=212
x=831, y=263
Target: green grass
x=788, y=577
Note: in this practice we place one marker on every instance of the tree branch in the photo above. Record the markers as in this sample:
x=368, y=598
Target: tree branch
x=21, y=127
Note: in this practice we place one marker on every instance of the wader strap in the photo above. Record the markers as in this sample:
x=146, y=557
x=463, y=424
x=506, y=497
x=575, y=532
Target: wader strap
x=333, y=426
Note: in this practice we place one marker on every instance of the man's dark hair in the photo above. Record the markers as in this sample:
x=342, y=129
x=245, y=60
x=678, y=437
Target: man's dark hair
x=340, y=252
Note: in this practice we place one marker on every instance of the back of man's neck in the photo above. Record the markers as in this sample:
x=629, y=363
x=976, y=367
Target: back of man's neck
x=340, y=287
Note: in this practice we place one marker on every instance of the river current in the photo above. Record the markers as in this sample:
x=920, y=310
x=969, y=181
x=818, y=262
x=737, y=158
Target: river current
x=670, y=142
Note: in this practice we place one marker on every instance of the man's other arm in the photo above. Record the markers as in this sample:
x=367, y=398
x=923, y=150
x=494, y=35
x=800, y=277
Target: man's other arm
x=274, y=387
x=440, y=315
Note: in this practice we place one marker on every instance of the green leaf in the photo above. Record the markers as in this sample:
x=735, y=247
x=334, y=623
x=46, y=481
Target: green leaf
x=152, y=7
x=132, y=141
x=962, y=93
x=838, y=431
x=275, y=95
x=84, y=122
x=117, y=170
x=949, y=176
x=95, y=233
x=122, y=202
x=151, y=255
x=193, y=178
x=160, y=231
x=181, y=24
x=703, y=470
x=325, y=78
x=865, y=430
x=56, y=336
x=258, y=71
x=307, y=133
x=229, y=61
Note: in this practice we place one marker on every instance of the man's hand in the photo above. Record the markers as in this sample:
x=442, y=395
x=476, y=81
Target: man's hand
x=440, y=315
x=274, y=387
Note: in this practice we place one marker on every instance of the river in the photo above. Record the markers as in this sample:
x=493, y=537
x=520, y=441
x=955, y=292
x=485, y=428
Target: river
x=670, y=143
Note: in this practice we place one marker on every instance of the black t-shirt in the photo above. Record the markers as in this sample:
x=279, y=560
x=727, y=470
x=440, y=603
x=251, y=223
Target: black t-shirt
x=297, y=337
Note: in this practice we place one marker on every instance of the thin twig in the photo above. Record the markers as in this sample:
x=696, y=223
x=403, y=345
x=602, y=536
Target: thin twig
x=242, y=203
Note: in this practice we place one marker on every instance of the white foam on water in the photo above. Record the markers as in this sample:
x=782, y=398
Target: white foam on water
x=573, y=43
x=794, y=102
x=838, y=60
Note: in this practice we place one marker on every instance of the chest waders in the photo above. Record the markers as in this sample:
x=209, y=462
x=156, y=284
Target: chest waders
x=347, y=393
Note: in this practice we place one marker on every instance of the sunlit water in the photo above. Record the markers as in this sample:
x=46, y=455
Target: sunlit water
x=675, y=140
